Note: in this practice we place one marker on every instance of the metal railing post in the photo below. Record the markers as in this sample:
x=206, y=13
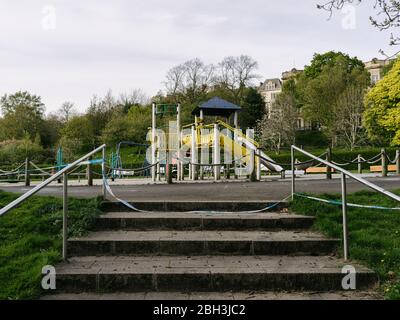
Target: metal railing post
x=103, y=171
x=293, y=173
x=398, y=162
x=344, y=210
x=65, y=215
x=359, y=164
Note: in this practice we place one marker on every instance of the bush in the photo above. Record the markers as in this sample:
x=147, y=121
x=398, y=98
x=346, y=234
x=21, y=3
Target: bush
x=16, y=151
x=311, y=138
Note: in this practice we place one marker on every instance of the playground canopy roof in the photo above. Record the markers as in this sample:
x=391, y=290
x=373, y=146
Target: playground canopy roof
x=217, y=107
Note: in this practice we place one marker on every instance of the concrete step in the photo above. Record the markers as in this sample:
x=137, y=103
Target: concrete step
x=202, y=243
x=187, y=206
x=206, y=274
x=193, y=221
x=226, y=296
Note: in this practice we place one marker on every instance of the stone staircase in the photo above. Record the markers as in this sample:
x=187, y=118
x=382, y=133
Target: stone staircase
x=184, y=253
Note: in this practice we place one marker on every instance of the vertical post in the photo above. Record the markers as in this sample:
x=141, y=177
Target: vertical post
x=235, y=120
x=153, y=142
x=398, y=162
x=253, y=174
x=216, y=154
x=89, y=173
x=194, y=153
x=182, y=163
x=168, y=167
x=258, y=163
x=237, y=151
x=179, y=164
x=359, y=164
x=293, y=174
x=384, y=164
x=65, y=215
x=103, y=172
x=344, y=210
x=27, y=175
x=329, y=159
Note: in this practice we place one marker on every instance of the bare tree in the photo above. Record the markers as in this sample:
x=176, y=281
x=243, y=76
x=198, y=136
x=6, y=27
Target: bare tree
x=189, y=80
x=134, y=97
x=387, y=17
x=279, y=127
x=349, y=109
x=197, y=79
x=236, y=73
x=175, y=80
x=66, y=111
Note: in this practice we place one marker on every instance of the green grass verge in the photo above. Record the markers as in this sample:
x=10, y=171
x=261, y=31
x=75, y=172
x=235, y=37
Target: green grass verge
x=374, y=235
x=30, y=238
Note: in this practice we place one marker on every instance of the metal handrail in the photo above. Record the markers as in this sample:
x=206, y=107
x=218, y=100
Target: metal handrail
x=344, y=189
x=64, y=173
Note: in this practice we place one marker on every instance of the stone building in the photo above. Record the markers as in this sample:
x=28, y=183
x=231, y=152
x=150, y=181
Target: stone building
x=270, y=89
x=375, y=67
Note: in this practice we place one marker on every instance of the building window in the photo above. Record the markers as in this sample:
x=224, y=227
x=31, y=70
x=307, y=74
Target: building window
x=375, y=78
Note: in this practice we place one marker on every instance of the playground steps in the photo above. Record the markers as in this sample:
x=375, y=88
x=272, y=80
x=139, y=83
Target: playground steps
x=172, y=252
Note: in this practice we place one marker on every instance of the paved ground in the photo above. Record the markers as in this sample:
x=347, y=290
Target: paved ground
x=271, y=189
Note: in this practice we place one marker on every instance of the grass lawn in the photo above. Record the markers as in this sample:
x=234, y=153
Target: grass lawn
x=374, y=235
x=30, y=238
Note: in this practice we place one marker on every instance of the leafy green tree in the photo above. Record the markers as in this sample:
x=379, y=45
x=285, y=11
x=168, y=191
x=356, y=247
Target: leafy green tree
x=323, y=83
x=253, y=109
x=23, y=114
x=382, y=103
x=131, y=127
x=77, y=136
x=331, y=59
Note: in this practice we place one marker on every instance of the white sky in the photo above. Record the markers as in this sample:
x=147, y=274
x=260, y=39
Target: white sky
x=121, y=45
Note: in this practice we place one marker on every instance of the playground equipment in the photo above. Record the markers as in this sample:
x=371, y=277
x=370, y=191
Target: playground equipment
x=202, y=147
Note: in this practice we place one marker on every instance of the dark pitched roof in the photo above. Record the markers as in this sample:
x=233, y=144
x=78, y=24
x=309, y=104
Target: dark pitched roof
x=217, y=105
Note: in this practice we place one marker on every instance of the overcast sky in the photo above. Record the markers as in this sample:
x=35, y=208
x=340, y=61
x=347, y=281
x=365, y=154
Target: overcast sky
x=69, y=49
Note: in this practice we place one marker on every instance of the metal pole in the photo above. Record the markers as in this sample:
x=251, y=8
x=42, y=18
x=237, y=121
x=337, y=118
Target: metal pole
x=153, y=142
x=216, y=154
x=179, y=164
x=103, y=171
x=344, y=209
x=65, y=215
x=384, y=164
x=398, y=162
x=194, y=153
x=293, y=174
x=27, y=175
x=359, y=164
